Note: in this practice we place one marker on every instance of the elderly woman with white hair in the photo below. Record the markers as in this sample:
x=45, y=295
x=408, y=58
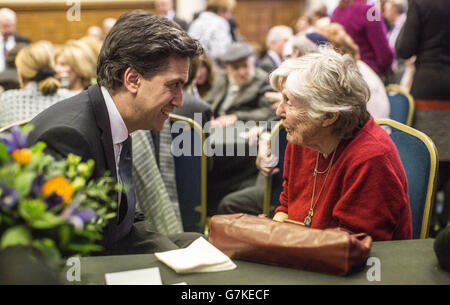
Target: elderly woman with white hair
x=341, y=169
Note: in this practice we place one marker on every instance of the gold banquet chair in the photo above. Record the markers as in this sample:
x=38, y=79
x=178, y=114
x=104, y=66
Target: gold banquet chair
x=274, y=183
x=402, y=104
x=190, y=173
x=420, y=161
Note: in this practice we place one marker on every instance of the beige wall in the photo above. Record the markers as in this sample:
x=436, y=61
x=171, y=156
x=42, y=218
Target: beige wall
x=47, y=20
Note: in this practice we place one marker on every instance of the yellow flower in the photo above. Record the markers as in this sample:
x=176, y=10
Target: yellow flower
x=23, y=156
x=60, y=186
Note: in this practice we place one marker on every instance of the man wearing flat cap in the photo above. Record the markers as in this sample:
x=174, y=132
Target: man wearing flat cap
x=238, y=94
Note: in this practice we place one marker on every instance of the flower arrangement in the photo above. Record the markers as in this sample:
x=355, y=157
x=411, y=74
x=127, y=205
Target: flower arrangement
x=49, y=204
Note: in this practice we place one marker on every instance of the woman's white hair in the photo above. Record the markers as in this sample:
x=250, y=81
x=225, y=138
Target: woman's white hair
x=329, y=83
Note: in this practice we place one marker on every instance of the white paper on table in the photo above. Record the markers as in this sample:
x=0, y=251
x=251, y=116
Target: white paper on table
x=148, y=276
x=200, y=256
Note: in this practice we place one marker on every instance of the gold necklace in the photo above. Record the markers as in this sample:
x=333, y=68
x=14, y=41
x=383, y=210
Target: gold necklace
x=307, y=220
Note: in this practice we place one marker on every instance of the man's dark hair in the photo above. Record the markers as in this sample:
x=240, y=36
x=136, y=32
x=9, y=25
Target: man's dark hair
x=145, y=43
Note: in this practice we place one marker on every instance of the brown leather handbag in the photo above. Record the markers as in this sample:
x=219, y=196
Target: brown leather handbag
x=263, y=240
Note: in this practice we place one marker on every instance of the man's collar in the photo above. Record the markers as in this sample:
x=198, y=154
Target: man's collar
x=119, y=130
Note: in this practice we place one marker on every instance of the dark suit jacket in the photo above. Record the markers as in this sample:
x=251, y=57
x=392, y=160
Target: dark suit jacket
x=80, y=125
x=426, y=34
x=267, y=64
x=250, y=104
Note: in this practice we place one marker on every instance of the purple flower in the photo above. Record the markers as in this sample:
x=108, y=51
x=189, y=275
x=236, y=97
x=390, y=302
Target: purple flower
x=15, y=139
x=53, y=200
x=8, y=197
x=79, y=218
x=36, y=185
x=86, y=215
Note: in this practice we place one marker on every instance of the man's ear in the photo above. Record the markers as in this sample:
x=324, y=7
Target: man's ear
x=131, y=80
x=329, y=119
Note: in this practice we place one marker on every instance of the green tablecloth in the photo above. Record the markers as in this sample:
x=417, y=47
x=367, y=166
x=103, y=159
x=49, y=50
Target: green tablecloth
x=402, y=262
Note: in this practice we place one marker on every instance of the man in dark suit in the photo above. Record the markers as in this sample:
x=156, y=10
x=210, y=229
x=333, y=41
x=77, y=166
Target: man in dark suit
x=141, y=69
x=8, y=38
x=275, y=41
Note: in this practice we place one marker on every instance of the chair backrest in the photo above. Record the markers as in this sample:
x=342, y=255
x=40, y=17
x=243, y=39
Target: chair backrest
x=420, y=161
x=19, y=123
x=274, y=184
x=401, y=103
x=190, y=171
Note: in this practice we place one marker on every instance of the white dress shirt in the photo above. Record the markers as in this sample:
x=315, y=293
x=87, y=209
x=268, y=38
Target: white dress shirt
x=119, y=130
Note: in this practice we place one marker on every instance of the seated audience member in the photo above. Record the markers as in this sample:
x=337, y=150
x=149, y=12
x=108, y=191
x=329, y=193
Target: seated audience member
x=307, y=43
x=275, y=41
x=164, y=8
x=341, y=168
x=142, y=66
x=238, y=94
x=8, y=37
x=93, y=43
x=303, y=25
x=39, y=87
x=378, y=104
x=369, y=34
x=192, y=103
x=75, y=65
x=8, y=77
x=204, y=78
x=212, y=28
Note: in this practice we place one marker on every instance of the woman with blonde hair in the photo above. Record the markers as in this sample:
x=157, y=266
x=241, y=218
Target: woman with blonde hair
x=76, y=65
x=39, y=87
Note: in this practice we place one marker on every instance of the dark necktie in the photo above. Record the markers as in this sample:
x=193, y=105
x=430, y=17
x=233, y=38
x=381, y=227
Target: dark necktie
x=127, y=202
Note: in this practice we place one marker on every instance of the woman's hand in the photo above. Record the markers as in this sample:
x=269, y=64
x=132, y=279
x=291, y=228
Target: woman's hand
x=280, y=216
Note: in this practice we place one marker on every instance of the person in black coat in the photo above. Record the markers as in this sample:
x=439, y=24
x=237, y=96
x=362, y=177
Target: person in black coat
x=426, y=35
x=142, y=66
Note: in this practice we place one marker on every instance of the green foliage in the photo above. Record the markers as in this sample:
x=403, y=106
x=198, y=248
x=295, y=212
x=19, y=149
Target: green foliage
x=34, y=210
